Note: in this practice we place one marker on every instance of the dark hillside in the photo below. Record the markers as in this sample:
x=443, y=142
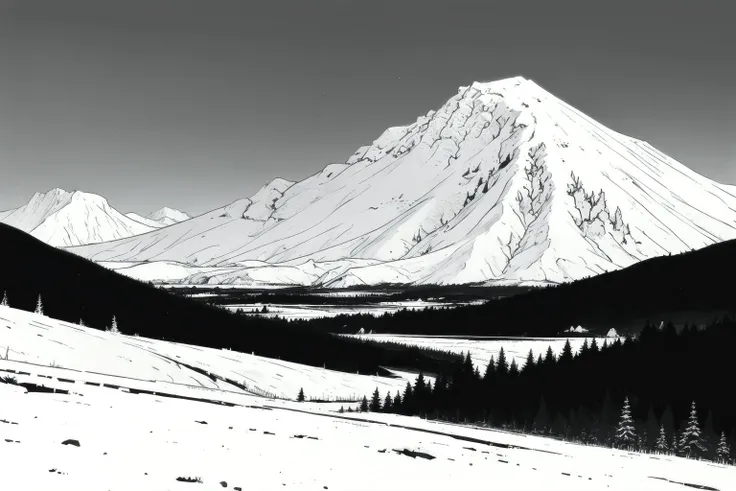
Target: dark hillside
x=73, y=288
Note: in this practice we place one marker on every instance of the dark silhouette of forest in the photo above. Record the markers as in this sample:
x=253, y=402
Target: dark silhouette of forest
x=683, y=288
x=76, y=290
x=637, y=394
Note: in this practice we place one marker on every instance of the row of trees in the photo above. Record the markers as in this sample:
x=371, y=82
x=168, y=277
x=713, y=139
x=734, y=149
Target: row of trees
x=632, y=394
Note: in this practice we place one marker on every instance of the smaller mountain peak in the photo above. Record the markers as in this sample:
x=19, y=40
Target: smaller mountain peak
x=167, y=214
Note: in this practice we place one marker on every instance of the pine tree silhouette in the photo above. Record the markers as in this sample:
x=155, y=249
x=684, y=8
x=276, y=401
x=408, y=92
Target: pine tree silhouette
x=566, y=355
x=4, y=302
x=364, y=405
x=375, y=405
x=529, y=363
x=300, y=397
x=502, y=367
x=513, y=369
x=387, y=403
x=723, y=451
x=625, y=433
x=398, y=402
x=691, y=440
x=661, y=445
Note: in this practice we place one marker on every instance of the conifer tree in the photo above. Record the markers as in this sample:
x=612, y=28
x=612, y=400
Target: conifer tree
x=584, y=348
x=490, y=370
x=364, y=405
x=625, y=433
x=691, y=441
x=4, y=302
x=723, y=452
x=513, y=369
x=594, y=346
x=375, y=405
x=114, y=326
x=502, y=367
x=397, y=402
x=39, y=306
x=407, y=405
x=81, y=322
x=387, y=403
x=566, y=355
x=529, y=363
x=661, y=445
x=300, y=397
x=549, y=358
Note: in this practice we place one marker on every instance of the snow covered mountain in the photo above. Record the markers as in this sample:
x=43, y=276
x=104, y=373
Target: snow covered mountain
x=161, y=218
x=505, y=183
x=61, y=218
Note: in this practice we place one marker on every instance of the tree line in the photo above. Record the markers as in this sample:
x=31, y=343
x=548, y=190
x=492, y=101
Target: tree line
x=665, y=391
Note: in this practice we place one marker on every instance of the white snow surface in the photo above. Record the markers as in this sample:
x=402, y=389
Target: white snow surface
x=139, y=362
x=62, y=218
x=148, y=440
x=505, y=183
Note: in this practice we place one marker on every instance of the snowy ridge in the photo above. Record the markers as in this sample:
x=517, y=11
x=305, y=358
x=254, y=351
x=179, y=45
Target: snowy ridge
x=505, y=183
x=60, y=218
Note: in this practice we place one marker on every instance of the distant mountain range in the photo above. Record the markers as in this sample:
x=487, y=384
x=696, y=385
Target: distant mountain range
x=64, y=219
x=504, y=184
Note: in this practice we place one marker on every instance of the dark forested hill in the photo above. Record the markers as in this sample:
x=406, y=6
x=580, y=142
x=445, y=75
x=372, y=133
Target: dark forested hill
x=691, y=287
x=74, y=289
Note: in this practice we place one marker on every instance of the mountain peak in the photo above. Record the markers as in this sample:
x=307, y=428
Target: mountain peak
x=168, y=216
x=63, y=218
x=503, y=183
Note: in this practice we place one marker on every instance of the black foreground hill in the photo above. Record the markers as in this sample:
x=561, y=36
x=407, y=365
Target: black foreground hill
x=693, y=287
x=74, y=289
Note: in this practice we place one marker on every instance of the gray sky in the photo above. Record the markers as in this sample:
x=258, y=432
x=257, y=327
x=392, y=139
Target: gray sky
x=193, y=104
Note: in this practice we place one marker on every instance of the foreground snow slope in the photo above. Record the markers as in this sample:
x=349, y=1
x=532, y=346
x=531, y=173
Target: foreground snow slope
x=505, y=182
x=65, y=350
x=130, y=442
x=60, y=218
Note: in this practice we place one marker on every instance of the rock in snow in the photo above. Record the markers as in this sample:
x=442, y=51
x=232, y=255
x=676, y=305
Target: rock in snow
x=505, y=183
